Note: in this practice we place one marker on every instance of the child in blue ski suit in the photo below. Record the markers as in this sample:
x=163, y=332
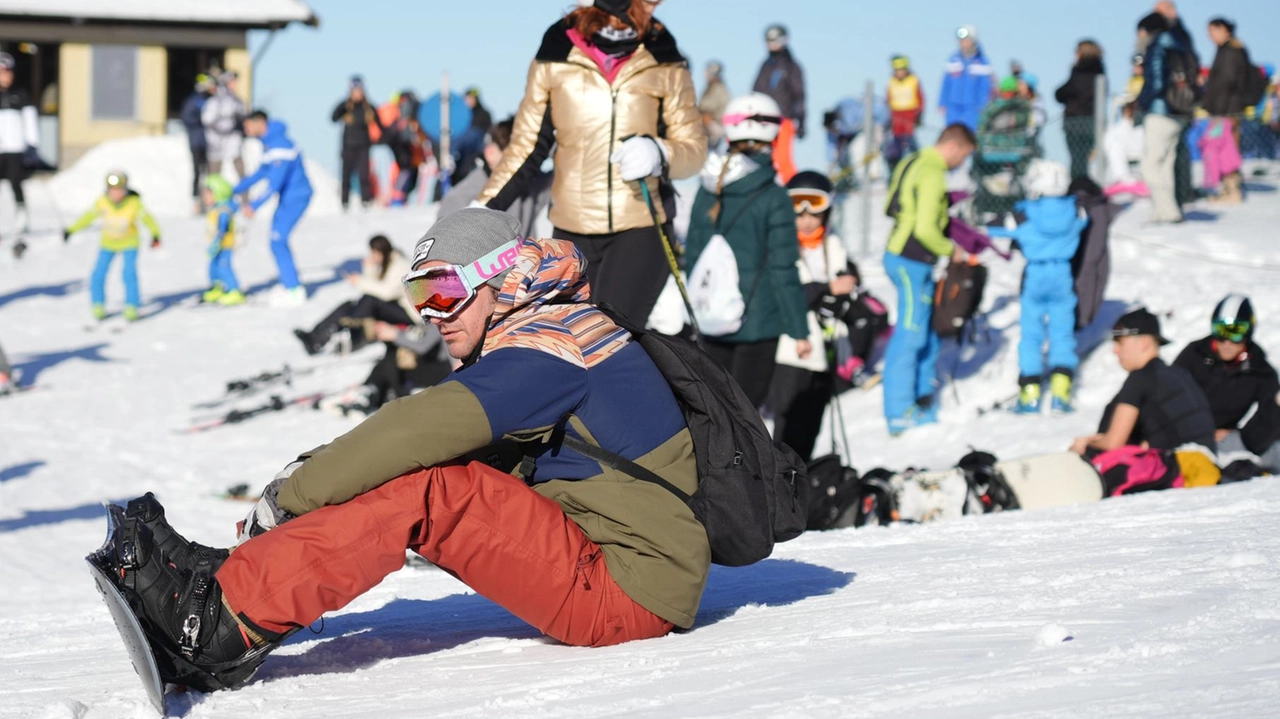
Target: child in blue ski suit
x=1048, y=238
x=283, y=170
x=224, y=285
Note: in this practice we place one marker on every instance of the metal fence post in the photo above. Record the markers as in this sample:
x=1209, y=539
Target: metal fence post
x=1101, y=105
x=869, y=153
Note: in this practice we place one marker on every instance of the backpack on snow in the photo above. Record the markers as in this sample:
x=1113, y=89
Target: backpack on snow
x=957, y=297
x=752, y=491
x=1130, y=469
x=833, y=490
x=1182, y=91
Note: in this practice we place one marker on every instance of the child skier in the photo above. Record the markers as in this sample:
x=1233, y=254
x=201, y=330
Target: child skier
x=906, y=104
x=839, y=316
x=224, y=287
x=1048, y=238
x=121, y=210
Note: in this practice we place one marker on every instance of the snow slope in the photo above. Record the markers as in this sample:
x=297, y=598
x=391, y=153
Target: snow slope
x=1148, y=606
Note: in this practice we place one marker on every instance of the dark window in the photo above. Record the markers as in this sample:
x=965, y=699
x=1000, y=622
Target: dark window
x=36, y=70
x=115, y=82
x=184, y=64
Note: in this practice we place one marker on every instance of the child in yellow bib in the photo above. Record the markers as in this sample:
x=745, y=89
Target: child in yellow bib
x=224, y=286
x=119, y=211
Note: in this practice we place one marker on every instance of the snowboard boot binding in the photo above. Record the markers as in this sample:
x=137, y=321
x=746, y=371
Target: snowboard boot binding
x=1028, y=397
x=185, y=554
x=194, y=637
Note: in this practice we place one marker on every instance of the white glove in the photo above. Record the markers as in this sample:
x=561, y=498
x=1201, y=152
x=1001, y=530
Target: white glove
x=638, y=158
x=266, y=514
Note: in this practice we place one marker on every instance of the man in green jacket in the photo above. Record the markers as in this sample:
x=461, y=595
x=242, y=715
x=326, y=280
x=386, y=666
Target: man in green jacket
x=585, y=554
x=918, y=205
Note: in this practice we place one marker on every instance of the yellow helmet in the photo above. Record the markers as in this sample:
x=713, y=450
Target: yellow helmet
x=900, y=62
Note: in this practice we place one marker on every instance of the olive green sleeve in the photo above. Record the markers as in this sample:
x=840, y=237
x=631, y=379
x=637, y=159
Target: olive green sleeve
x=423, y=430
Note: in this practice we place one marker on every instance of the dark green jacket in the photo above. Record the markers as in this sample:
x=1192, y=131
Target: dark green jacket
x=756, y=217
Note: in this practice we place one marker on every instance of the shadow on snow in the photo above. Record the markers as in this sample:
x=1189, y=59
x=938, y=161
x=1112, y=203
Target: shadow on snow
x=18, y=471
x=61, y=289
x=32, y=367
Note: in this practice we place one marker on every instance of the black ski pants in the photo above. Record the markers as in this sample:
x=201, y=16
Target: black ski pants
x=199, y=169
x=627, y=269
x=799, y=398
x=750, y=363
x=355, y=160
x=391, y=382
x=12, y=169
x=367, y=307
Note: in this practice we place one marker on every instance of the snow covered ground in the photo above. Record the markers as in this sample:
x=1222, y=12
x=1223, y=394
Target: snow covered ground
x=1149, y=606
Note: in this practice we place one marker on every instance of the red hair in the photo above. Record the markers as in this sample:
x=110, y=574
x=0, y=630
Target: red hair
x=589, y=20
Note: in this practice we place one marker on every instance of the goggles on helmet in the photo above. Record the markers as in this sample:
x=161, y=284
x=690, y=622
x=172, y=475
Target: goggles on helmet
x=117, y=179
x=963, y=33
x=443, y=291
x=1232, y=330
x=739, y=118
x=809, y=200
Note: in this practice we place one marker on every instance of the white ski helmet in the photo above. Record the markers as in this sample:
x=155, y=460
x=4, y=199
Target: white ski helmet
x=752, y=117
x=1046, y=178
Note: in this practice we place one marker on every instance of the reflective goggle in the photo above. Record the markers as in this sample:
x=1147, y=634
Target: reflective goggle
x=813, y=201
x=1231, y=330
x=962, y=33
x=116, y=180
x=738, y=118
x=442, y=292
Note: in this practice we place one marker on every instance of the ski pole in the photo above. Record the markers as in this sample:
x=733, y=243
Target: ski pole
x=671, y=255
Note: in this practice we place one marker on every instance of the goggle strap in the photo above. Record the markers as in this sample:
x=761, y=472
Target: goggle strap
x=491, y=265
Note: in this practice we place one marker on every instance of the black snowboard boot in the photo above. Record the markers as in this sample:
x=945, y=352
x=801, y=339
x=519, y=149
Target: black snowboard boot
x=148, y=510
x=195, y=638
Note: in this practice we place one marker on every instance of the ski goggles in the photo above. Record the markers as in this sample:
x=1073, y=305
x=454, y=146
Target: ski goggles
x=1232, y=330
x=738, y=118
x=442, y=292
x=812, y=201
x=117, y=179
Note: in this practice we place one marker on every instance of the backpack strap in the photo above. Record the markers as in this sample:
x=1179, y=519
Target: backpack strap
x=622, y=464
x=764, y=258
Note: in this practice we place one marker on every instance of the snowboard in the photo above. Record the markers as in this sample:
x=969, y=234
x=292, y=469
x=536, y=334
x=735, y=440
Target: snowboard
x=135, y=640
x=1051, y=480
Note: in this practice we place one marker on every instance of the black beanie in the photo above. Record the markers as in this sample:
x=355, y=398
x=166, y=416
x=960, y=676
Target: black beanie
x=1154, y=23
x=616, y=8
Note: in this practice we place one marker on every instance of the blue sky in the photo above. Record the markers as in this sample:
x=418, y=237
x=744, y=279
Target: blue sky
x=396, y=44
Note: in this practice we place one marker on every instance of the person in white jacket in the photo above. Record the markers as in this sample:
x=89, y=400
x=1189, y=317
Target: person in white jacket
x=381, y=300
x=840, y=317
x=18, y=136
x=222, y=116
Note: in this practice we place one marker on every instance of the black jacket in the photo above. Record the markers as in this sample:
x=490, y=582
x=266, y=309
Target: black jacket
x=1078, y=92
x=782, y=79
x=1226, y=92
x=1233, y=388
x=356, y=118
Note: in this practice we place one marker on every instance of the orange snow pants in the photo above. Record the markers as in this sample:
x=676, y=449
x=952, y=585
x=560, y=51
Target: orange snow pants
x=487, y=528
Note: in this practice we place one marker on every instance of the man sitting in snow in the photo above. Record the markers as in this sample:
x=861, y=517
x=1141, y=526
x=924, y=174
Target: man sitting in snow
x=1158, y=407
x=1234, y=373
x=586, y=555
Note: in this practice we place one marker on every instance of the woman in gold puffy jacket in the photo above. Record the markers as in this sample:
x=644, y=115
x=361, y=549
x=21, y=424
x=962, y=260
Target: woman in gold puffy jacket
x=610, y=90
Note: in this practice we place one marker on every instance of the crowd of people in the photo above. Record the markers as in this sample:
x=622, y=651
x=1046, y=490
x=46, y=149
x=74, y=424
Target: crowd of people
x=561, y=498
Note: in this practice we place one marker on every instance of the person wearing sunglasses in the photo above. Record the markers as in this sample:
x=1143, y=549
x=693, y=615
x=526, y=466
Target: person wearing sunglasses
x=611, y=94
x=468, y=474
x=1236, y=377
x=1159, y=406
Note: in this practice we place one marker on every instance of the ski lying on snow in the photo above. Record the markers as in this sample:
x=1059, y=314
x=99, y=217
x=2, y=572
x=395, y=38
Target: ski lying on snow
x=276, y=403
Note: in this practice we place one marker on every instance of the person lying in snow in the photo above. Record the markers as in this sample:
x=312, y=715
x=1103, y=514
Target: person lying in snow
x=582, y=554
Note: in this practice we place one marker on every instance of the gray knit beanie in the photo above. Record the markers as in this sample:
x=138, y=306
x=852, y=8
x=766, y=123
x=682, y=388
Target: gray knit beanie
x=465, y=236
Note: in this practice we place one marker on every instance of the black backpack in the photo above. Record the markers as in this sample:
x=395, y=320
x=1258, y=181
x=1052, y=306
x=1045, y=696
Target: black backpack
x=957, y=298
x=1182, y=91
x=833, y=490
x=752, y=491
x=1255, y=84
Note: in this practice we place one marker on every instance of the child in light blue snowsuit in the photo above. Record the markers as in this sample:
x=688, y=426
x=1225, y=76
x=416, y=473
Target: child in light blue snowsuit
x=1048, y=237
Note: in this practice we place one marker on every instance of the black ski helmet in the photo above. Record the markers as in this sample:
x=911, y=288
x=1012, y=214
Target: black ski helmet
x=1235, y=309
x=812, y=180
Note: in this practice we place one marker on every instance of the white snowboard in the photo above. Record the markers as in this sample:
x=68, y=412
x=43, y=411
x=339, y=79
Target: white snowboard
x=1051, y=480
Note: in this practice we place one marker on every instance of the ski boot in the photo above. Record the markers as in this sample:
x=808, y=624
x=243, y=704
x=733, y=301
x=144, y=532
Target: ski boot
x=213, y=294
x=148, y=510
x=917, y=416
x=1060, y=393
x=99, y=312
x=130, y=313
x=232, y=298
x=308, y=342
x=194, y=637
x=1028, y=399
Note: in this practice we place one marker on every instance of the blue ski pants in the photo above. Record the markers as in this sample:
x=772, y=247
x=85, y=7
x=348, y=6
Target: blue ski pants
x=98, y=283
x=1048, y=314
x=286, y=218
x=221, y=272
x=911, y=359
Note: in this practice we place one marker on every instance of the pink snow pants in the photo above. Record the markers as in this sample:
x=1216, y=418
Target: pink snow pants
x=484, y=526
